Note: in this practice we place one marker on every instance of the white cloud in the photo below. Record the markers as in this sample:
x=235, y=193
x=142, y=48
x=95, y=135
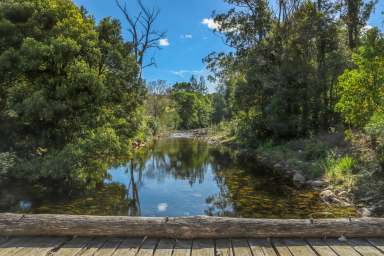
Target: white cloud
x=162, y=207
x=164, y=42
x=211, y=23
x=183, y=73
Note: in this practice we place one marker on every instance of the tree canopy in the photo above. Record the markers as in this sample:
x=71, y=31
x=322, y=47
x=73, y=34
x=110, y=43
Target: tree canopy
x=69, y=92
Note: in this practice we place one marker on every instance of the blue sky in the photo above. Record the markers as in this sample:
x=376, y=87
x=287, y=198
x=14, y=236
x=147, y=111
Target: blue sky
x=190, y=40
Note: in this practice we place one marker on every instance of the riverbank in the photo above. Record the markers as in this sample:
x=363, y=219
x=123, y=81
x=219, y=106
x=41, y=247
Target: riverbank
x=345, y=171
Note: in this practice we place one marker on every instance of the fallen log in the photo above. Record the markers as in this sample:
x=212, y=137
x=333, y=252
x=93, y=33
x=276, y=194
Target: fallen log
x=185, y=227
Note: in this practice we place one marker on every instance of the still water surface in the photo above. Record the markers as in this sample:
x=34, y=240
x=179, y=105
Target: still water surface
x=179, y=177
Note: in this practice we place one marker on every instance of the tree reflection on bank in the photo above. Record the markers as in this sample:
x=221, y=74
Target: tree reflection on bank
x=176, y=177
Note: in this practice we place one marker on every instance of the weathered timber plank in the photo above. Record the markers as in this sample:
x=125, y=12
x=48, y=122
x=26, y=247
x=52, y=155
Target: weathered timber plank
x=263, y=245
x=341, y=248
x=185, y=227
x=165, y=247
x=42, y=247
x=299, y=247
x=321, y=247
x=129, y=247
x=377, y=242
x=203, y=248
x=223, y=247
x=182, y=248
x=364, y=247
x=73, y=247
x=109, y=247
x=13, y=245
x=241, y=248
x=93, y=246
x=281, y=248
x=147, y=248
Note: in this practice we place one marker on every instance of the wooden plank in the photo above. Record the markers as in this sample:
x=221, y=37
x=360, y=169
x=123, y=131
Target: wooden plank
x=281, y=248
x=147, y=248
x=223, y=247
x=41, y=247
x=93, y=246
x=128, y=247
x=377, y=242
x=299, y=247
x=165, y=247
x=13, y=245
x=364, y=247
x=341, y=248
x=182, y=248
x=262, y=247
x=73, y=247
x=203, y=248
x=186, y=227
x=321, y=247
x=109, y=247
x=241, y=247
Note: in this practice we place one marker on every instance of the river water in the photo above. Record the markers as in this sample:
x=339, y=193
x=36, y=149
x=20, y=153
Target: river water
x=179, y=177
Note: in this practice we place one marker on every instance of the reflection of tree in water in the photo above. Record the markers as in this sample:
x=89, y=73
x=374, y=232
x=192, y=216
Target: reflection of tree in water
x=177, y=158
x=109, y=199
x=255, y=193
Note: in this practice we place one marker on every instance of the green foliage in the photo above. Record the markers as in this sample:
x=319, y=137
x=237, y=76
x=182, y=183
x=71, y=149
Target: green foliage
x=280, y=82
x=339, y=169
x=69, y=91
x=193, y=108
x=361, y=88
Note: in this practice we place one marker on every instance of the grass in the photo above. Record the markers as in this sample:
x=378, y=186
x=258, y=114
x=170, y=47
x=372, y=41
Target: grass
x=322, y=157
x=339, y=169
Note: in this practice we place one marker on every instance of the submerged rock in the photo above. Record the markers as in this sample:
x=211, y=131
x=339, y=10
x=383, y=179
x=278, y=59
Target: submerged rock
x=298, y=180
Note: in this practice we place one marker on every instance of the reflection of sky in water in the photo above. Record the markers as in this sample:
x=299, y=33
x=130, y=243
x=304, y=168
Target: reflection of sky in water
x=161, y=194
x=178, y=178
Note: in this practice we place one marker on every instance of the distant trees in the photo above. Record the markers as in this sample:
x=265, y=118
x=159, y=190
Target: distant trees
x=69, y=92
x=192, y=105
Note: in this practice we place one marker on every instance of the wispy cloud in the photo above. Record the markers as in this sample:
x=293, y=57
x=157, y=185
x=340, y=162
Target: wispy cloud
x=185, y=73
x=186, y=36
x=211, y=23
x=164, y=42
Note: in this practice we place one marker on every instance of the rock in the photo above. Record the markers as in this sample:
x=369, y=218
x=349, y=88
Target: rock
x=298, y=179
x=317, y=183
x=329, y=197
x=365, y=212
x=342, y=194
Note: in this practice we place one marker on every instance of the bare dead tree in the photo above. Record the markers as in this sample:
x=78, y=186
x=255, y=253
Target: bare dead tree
x=143, y=35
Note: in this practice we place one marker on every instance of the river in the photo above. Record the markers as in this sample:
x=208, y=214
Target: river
x=179, y=177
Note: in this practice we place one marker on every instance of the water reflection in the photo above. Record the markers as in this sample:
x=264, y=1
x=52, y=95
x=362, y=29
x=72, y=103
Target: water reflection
x=179, y=177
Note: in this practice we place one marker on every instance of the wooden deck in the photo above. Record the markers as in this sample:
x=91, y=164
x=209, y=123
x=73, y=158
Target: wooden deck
x=84, y=246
